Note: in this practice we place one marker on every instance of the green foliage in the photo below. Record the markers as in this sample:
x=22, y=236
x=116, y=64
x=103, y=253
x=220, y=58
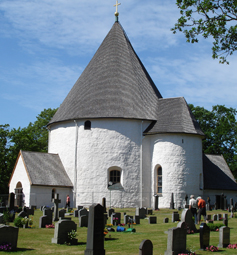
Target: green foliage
x=215, y=226
x=34, y=137
x=213, y=18
x=18, y=222
x=220, y=129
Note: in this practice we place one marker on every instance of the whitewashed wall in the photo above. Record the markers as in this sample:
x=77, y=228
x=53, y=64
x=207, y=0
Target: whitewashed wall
x=109, y=143
x=180, y=157
x=20, y=175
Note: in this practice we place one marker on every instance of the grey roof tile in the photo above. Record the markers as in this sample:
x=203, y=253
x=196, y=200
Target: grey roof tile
x=217, y=174
x=45, y=169
x=115, y=84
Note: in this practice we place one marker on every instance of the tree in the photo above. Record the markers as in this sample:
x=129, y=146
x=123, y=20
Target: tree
x=220, y=129
x=34, y=137
x=210, y=18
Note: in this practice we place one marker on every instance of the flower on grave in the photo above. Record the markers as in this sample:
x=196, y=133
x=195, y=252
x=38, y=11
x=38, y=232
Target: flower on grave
x=49, y=226
x=30, y=221
x=72, y=235
x=212, y=248
x=217, y=229
x=5, y=246
x=109, y=225
x=115, y=219
x=105, y=231
x=232, y=246
x=24, y=220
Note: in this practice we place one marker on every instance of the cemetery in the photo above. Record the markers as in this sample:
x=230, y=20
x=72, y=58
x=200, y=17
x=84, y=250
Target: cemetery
x=100, y=230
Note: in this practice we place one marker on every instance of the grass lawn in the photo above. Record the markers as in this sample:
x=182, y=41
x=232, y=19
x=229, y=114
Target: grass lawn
x=38, y=241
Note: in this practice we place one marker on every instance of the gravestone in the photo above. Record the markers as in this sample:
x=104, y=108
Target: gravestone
x=149, y=212
x=9, y=234
x=46, y=219
x=208, y=217
x=232, y=211
x=104, y=204
x=225, y=219
x=235, y=206
x=11, y=201
x=187, y=217
x=214, y=217
x=30, y=211
x=141, y=212
x=1, y=218
x=75, y=213
x=61, y=213
x=95, y=233
x=172, y=201
x=156, y=207
x=166, y=220
x=128, y=219
x=186, y=202
x=79, y=207
x=176, y=241
x=146, y=247
x=224, y=237
x=83, y=221
x=83, y=212
x=175, y=216
x=56, y=201
x=208, y=207
x=111, y=211
x=137, y=219
x=204, y=236
x=116, y=218
x=219, y=217
x=152, y=220
x=61, y=230
x=23, y=214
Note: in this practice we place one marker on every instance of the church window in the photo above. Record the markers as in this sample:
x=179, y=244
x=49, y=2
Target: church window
x=87, y=125
x=159, y=180
x=114, y=176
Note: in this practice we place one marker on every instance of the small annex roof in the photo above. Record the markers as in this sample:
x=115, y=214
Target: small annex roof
x=45, y=169
x=115, y=84
x=174, y=116
x=216, y=173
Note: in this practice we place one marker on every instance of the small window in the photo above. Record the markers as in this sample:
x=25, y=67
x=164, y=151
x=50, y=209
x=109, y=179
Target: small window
x=114, y=176
x=159, y=180
x=87, y=125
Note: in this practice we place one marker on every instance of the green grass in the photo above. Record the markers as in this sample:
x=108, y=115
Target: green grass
x=38, y=241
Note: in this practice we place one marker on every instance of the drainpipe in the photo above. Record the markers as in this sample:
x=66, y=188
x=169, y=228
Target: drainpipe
x=75, y=166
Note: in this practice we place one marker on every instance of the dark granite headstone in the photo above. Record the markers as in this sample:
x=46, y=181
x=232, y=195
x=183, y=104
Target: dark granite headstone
x=23, y=214
x=79, y=207
x=146, y=247
x=116, y=218
x=156, y=207
x=141, y=212
x=214, y=217
x=61, y=230
x=104, y=204
x=9, y=234
x=149, y=212
x=176, y=242
x=172, y=201
x=46, y=219
x=204, y=236
x=128, y=219
x=137, y=219
x=11, y=201
x=83, y=221
x=95, y=233
x=61, y=213
x=111, y=211
x=152, y=220
x=224, y=237
x=166, y=220
x=83, y=212
x=175, y=216
x=75, y=213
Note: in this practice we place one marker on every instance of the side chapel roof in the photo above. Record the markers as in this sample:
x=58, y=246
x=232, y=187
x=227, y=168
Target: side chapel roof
x=216, y=173
x=45, y=169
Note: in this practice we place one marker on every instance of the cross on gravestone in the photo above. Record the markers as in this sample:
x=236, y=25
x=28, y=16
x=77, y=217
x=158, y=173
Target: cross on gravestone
x=95, y=233
x=56, y=201
x=204, y=236
x=224, y=237
x=176, y=241
x=146, y=247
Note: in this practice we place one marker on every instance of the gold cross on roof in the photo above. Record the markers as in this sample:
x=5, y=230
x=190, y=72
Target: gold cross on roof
x=117, y=4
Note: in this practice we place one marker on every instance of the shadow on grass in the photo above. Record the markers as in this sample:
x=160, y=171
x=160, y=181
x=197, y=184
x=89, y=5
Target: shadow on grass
x=22, y=249
x=110, y=239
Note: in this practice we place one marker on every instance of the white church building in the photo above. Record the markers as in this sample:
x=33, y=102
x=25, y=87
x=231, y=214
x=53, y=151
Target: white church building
x=115, y=136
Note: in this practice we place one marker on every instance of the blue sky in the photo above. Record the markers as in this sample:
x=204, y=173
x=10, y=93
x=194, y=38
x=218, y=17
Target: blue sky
x=45, y=45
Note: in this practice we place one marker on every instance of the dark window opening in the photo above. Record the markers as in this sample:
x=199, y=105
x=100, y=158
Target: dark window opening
x=87, y=125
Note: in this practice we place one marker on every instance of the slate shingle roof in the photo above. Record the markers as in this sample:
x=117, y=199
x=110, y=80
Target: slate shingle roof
x=115, y=84
x=217, y=174
x=174, y=116
x=45, y=169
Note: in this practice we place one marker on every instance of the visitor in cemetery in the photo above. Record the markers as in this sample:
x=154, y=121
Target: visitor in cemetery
x=67, y=201
x=193, y=207
x=201, y=209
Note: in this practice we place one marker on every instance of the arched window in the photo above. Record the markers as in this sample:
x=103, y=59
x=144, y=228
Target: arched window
x=115, y=176
x=159, y=180
x=87, y=125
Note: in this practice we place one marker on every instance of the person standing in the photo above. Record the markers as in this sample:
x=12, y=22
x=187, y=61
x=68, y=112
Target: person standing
x=201, y=209
x=67, y=201
x=193, y=207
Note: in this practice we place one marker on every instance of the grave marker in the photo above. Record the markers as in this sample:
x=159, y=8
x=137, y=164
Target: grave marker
x=187, y=217
x=224, y=237
x=9, y=234
x=146, y=247
x=176, y=242
x=152, y=220
x=175, y=216
x=204, y=236
x=56, y=201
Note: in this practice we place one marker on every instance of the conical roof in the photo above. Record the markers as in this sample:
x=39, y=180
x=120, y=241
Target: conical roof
x=115, y=84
